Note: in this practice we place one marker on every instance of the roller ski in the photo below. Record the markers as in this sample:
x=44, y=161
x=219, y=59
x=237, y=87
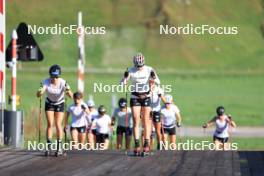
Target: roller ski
x=137, y=151
x=60, y=153
x=146, y=149
x=146, y=152
x=47, y=153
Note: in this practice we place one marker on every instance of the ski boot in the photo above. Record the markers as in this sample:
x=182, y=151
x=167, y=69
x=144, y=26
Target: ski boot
x=48, y=150
x=59, y=151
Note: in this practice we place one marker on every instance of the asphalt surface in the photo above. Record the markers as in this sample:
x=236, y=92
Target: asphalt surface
x=204, y=163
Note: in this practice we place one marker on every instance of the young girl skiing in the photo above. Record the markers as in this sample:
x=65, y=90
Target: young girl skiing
x=78, y=110
x=170, y=119
x=103, y=127
x=123, y=116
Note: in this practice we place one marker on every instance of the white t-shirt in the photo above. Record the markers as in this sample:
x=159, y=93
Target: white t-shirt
x=221, y=130
x=169, y=116
x=102, y=124
x=78, y=115
x=155, y=98
x=91, y=116
x=121, y=117
x=140, y=79
x=55, y=93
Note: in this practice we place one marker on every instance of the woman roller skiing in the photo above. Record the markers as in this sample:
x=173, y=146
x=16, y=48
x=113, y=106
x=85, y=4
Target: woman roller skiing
x=140, y=77
x=222, y=123
x=55, y=88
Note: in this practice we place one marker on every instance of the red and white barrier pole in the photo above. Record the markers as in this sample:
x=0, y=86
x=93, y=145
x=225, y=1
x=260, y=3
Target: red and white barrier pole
x=14, y=69
x=2, y=54
x=2, y=66
x=81, y=60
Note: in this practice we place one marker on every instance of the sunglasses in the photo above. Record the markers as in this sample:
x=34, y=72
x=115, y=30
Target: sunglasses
x=54, y=77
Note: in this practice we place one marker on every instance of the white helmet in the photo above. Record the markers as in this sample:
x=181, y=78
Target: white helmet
x=139, y=60
x=90, y=103
x=168, y=99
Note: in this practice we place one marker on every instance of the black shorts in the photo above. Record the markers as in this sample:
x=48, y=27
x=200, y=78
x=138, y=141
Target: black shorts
x=140, y=102
x=100, y=138
x=222, y=140
x=127, y=130
x=155, y=116
x=169, y=131
x=79, y=129
x=94, y=131
x=55, y=108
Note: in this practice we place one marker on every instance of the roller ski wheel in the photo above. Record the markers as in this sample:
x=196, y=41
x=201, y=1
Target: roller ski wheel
x=59, y=153
x=64, y=153
x=47, y=153
x=137, y=151
x=146, y=152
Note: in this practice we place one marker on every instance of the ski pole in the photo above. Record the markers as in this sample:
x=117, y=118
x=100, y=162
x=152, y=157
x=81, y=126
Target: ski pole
x=65, y=130
x=39, y=119
x=162, y=129
x=179, y=133
x=127, y=125
x=111, y=139
x=151, y=128
x=152, y=87
x=230, y=131
x=126, y=103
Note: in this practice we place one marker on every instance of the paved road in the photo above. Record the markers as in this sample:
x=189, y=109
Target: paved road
x=204, y=163
x=243, y=132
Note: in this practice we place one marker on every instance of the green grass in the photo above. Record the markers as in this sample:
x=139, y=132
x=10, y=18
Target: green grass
x=197, y=96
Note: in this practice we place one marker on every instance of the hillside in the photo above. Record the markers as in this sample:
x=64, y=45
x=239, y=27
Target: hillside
x=127, y=33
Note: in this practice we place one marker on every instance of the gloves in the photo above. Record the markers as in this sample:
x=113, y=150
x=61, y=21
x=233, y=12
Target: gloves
x=205, y=125
x=152, y=74
x=178, y=124
x=83, y=107
x=40, y=89
x=229, y=116
x=67, y=87
x=65, y=128
x=126, y=74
